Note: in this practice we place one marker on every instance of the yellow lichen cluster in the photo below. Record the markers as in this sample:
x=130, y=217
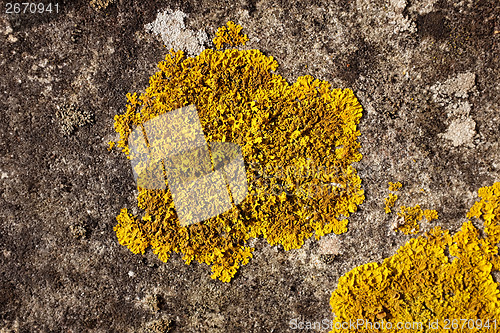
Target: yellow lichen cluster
x=391, y=199
x=230, y=35
x=430, y=214
x=306, y=125
x=395, y=186
x=389, y=202
x=488, y=209
x=421, y=284
x=412, y=215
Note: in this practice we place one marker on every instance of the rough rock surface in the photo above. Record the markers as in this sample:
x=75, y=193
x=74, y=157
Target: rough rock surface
x=426, y=73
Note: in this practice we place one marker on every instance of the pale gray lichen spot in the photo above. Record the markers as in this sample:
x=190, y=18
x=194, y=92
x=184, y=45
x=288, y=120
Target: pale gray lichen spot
x=460, y=132
x=398, y=5
x=422, y=7
x=162, y=325
x=329, y=248
x=172, y=30
x=460, y=109
x=78, y=231
x=453, y=94
x=459, y=86
x=71, y=117
x=400, y=22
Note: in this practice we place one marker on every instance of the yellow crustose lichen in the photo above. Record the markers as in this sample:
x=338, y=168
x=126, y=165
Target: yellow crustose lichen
x=395, y=186
x=240, y=99
x=229, y=34
x=430, y=214
x=411, y=216
x=422, y=284
x=391, y=199
x=389, y=202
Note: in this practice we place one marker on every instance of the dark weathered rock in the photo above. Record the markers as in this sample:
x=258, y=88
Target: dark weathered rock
x=409, y=63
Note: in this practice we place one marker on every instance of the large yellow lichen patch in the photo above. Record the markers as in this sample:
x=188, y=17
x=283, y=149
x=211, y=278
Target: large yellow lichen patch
x=422, y=284
x=298, y=141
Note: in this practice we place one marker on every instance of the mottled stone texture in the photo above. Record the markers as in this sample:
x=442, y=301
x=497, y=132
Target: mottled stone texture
x=426, y=73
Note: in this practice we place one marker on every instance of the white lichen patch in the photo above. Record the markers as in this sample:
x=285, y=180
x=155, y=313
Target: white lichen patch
x=400, y=22
x=422, y=7
x=5, y=27
x=459, y=109
x=329, y=244
x=398, y=5
x=172, y=30
x=326, y=252
x=460, y=132
x=459, y=86
x=453, y=94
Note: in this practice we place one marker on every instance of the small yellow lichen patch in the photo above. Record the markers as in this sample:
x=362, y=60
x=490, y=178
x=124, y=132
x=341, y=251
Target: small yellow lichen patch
x=430, y=214
x=111, y=144
x=411, y=216
x=395, y=186
x=130, y=233
x=230, y=35
x=489, y=209
x=420, y=284
x=389, y=202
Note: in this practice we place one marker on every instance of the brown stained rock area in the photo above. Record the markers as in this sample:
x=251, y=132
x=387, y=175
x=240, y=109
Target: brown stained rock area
x=399, y=58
